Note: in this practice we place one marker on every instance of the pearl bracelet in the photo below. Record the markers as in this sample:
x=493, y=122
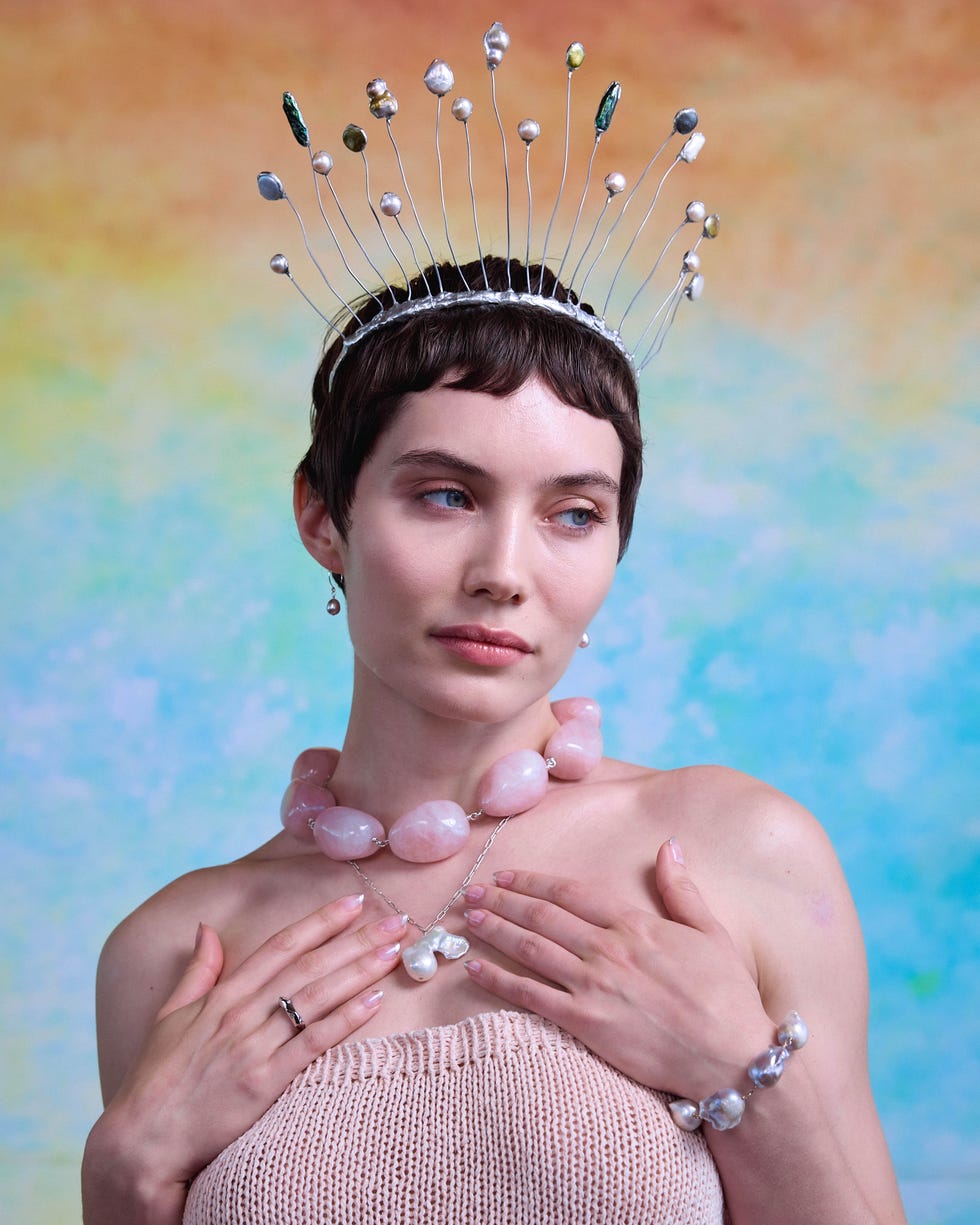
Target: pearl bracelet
x=724, y=1109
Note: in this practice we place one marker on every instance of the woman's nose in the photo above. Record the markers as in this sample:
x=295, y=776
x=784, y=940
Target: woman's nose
x=498, y=567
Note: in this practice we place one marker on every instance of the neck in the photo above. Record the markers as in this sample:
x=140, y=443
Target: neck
x=397, y=754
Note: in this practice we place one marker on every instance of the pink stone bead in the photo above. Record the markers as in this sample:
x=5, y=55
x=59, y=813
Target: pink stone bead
x=576, y=748
x=317, y=765
x=302, y=801
x=434, y=830
x=566, y=709
x=513, y=784
x=347, y=833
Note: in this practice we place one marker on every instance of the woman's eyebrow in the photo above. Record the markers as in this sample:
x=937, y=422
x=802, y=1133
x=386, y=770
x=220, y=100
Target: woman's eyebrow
x=438, y=459
x=593, y=478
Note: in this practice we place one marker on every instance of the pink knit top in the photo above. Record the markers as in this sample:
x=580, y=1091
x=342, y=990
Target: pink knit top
x=501, y=1119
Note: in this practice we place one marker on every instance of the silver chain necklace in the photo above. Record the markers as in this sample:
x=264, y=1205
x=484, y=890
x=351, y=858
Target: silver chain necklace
x=419, y=959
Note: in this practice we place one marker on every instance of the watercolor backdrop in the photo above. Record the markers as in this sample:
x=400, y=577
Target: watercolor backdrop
x=797, y=601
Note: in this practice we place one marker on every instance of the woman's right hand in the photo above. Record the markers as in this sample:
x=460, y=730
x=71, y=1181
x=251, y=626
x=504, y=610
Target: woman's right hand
x=223, y=1049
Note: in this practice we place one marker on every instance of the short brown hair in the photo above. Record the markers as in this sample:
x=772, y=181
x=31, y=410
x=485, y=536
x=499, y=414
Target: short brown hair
x=487, y=348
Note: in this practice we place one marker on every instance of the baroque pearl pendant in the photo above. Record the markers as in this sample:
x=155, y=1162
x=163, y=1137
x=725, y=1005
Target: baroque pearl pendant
x=419, y=959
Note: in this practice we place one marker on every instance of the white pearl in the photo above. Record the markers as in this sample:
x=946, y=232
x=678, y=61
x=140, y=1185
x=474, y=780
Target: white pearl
x=692, y=261
x=391, y=205
x=615, y=183
x=322, y=162
x=696, y=211
x=419, y=961
x=462, y=109
x=692, y=147
x=695, y=287
x=528, y=130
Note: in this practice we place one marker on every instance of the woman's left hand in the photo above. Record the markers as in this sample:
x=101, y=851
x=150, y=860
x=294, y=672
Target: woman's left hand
x=667, y=1000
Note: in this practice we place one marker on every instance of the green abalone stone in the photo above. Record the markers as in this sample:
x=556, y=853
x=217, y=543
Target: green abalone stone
x=603, y=116
x=295, y=118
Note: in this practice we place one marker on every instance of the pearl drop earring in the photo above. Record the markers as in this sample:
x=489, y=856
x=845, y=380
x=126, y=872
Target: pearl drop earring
x=584, y=641
x=333, y=604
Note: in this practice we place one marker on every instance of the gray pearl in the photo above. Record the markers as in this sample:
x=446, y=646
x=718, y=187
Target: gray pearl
x=685, y=1114
x=391, y=205
x=793, y=1032
x=270, y=186
x=723, y=1110
x=439, y=78
x=528, y=130
x=462, y=109
x=279, y=264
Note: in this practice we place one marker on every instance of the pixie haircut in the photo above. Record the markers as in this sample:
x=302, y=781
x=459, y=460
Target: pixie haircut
x=478, y=347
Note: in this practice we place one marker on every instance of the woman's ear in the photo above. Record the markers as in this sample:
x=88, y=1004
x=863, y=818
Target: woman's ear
x=317, y=531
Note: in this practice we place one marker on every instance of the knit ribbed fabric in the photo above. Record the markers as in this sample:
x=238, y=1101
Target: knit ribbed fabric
x=501, y=1119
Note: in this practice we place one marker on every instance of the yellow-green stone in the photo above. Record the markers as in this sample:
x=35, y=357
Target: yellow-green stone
x=712, y=225
x=574, y=56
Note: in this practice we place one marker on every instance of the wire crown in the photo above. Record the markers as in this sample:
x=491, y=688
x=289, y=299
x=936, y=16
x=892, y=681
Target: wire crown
x=394, y=295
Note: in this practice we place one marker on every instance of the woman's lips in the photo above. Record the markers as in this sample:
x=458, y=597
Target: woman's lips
x=481, y=645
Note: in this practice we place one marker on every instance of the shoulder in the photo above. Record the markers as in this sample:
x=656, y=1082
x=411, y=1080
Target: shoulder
x=728, y=816
x=145, y=955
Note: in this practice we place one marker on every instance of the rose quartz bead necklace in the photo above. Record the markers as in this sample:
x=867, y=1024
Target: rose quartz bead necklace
x=439, y=828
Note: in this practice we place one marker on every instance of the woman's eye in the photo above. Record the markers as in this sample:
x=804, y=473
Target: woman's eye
x=452, y=499
x=577, y=516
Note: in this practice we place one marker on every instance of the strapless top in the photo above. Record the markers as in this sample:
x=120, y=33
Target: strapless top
x=500, y=1119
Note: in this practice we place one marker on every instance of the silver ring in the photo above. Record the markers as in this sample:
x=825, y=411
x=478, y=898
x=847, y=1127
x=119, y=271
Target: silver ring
x=286, y=1004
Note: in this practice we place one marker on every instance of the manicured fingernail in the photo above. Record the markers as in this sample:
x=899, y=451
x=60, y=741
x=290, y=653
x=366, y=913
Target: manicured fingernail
x=473, y=967
x=353, y=901
x=503, y=879
x=475, y=893
x=675, y=850
x=474, y=917
x=372, y=999
x=393, y=924
x=389, y=953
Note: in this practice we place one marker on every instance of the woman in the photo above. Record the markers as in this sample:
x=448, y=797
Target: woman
x=634, y=936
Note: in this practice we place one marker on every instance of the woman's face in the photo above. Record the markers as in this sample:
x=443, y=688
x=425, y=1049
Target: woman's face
x=483, y=538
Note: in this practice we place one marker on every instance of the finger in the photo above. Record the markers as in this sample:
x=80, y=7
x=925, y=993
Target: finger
x=527, y=993
x=316, y=998
x=203, y=971
x=290, y=1057
x=681, y=897
x=535, y=915
x=529, y=948
x=288, y=945
x=584, y=901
